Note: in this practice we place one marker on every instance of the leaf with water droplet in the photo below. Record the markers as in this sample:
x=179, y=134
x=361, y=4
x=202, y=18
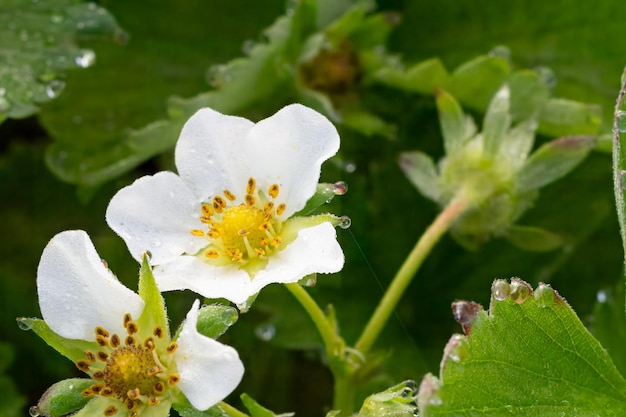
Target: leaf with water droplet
x=532, y=358
x=38, y=43
x=215, y=319
x=396, y=401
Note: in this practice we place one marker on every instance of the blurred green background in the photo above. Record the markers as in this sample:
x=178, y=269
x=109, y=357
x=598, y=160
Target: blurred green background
x=171, y=46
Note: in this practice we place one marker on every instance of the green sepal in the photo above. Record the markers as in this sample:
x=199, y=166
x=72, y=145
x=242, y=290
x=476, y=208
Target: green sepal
x=72, y=349
x=452, y=121
x=421, y=171
x=397, y=401
x=64, y=397
x=254, y=408
x=533, y=357
x=552, y=161
x=475, y=82
x=215, y=319
x=497, y=121
x=423, y=78
x=517, y=143
x=529, y=93
x=154, y=313
x=324, y=193
x=185, y=409
x=533, y=239
x=561, y=117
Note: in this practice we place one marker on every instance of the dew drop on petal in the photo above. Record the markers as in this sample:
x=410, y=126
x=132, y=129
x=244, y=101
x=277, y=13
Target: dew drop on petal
x=265, y=332
x=500, y=289
x=620, y=120
x=23, y=324
x=33, y=411
x=345, y=223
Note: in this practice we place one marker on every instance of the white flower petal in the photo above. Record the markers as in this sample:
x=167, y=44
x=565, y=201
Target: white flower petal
x=289, y=148
x=209, y=152
x=189, y=272
x=314, y=250
x=77, y=292
x=209, y=370
x=157, y=213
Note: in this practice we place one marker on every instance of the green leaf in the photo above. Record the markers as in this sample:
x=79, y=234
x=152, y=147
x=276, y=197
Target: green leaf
x=254, y=408
x=423, y=78
x=64, y=397
x=452, y=121
x=529, y=93
x=475, y=82
x=561, y=117
x=497, y=120
x=70, y=348
x=533, y=238
x=552, y=161
x=215, y=319
x=619, y=162
x=530, y=357
x=397, y=401
x=38, y=45
x=420, y=169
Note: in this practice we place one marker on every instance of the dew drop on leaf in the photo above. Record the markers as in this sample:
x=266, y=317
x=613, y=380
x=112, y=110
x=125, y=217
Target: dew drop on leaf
x=86, y=58
x=23, y=324
x=54, y=88
x=33, y=411
x=500, y=289
x=519, y=291
x=620, y=120
x=346, y=222
x=544, y=295
x=340, y=188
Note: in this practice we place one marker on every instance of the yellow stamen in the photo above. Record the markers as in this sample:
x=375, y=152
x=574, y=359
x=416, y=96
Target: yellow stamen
x=197, y=232
x=273, y=190
x=251, y=186
x=229, y=195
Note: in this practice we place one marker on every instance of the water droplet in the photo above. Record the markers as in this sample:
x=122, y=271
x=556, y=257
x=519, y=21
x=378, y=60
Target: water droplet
x=620, y=121
x=519, y=291
x=465, y=312
x=23, y=324
x=547, y=75
x=148, y=254
x=350, y=167
x=86, y=58
x=500, y=289
x=501, y=51
x=544, y=295
x=265, y=332
x=434, y=400
x=602, y=296
x=33, y=411
x=345, y=222
x=340, y=188
x=54, y=88
x=156, y=243
x=457, y=348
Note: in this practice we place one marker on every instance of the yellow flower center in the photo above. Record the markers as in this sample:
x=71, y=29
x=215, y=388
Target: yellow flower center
x=132, y=373
x=242, y=232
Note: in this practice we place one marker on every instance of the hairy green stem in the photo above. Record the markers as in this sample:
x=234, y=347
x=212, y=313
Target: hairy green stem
x=324, y=327
x=231, y=411
x=407, y=271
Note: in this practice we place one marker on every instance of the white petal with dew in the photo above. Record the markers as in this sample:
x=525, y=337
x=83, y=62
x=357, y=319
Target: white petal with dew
x=189, y=272
x=209, y=370
x=157, y=213
x=77, y=292
x=289, y=148
x=315, y=249
x=209, y=152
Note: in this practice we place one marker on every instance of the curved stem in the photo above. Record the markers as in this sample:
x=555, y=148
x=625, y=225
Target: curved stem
x=324, y=327
x=230, y=410
x=407, y=271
